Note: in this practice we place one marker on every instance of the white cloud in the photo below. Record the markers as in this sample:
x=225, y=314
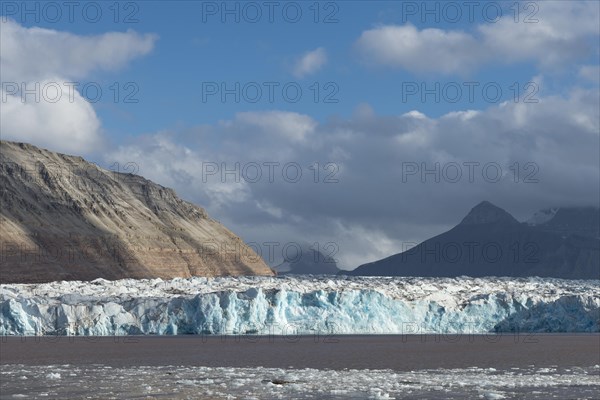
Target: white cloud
x=424, y=50
x=30, y=54
x=415, y=114
x=46, y=57
x=195, y=173
x=289, y=125
x=565, y=31
x=310, y=62
x=370, y=212
x=69, y=124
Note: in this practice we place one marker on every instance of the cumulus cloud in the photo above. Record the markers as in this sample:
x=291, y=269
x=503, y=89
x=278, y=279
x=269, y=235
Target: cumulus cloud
x=419, y=50
x=564, y=32
x=194, y=172
x=67, y=124
x=290, y=125
x=310, y=62
x=48, y=62
x=546, y=152
x=30, y=54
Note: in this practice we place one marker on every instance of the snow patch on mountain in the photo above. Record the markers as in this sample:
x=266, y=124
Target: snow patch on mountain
x=542, y=216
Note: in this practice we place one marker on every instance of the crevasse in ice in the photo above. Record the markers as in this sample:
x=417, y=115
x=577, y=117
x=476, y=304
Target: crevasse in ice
x=300, y=305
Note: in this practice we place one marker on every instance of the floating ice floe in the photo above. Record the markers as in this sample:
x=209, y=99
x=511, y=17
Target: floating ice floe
x=189, y=382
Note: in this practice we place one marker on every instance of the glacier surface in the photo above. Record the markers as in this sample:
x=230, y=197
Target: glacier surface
x=300, y=305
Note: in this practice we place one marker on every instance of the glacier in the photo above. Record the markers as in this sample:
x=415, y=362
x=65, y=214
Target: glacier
x=300, y=305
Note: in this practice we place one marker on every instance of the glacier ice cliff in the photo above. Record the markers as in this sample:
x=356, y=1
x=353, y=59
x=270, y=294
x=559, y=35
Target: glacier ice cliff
x=300, y=305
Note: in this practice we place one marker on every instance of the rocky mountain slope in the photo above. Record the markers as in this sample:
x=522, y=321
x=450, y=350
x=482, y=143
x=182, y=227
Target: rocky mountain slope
x=559, y=243
x=63, y=218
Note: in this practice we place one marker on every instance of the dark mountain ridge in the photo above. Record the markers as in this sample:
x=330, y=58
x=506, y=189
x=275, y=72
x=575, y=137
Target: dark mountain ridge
x=491, y=242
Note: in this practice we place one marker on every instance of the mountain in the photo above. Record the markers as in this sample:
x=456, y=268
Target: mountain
x=560, y=243
x=487, y=213
x=571, y=221
x=307, y=261
x=63, y=218
x=542, y=216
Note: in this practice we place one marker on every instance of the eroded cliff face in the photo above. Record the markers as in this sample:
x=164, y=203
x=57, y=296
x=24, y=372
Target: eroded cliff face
x=63, y=218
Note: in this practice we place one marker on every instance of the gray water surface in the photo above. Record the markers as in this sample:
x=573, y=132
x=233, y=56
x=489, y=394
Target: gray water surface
x=538, y=366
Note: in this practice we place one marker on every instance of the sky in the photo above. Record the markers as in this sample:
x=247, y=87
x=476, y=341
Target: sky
x=359, y=127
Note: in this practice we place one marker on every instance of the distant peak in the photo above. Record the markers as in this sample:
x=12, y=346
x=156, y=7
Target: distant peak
x=487, y=213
